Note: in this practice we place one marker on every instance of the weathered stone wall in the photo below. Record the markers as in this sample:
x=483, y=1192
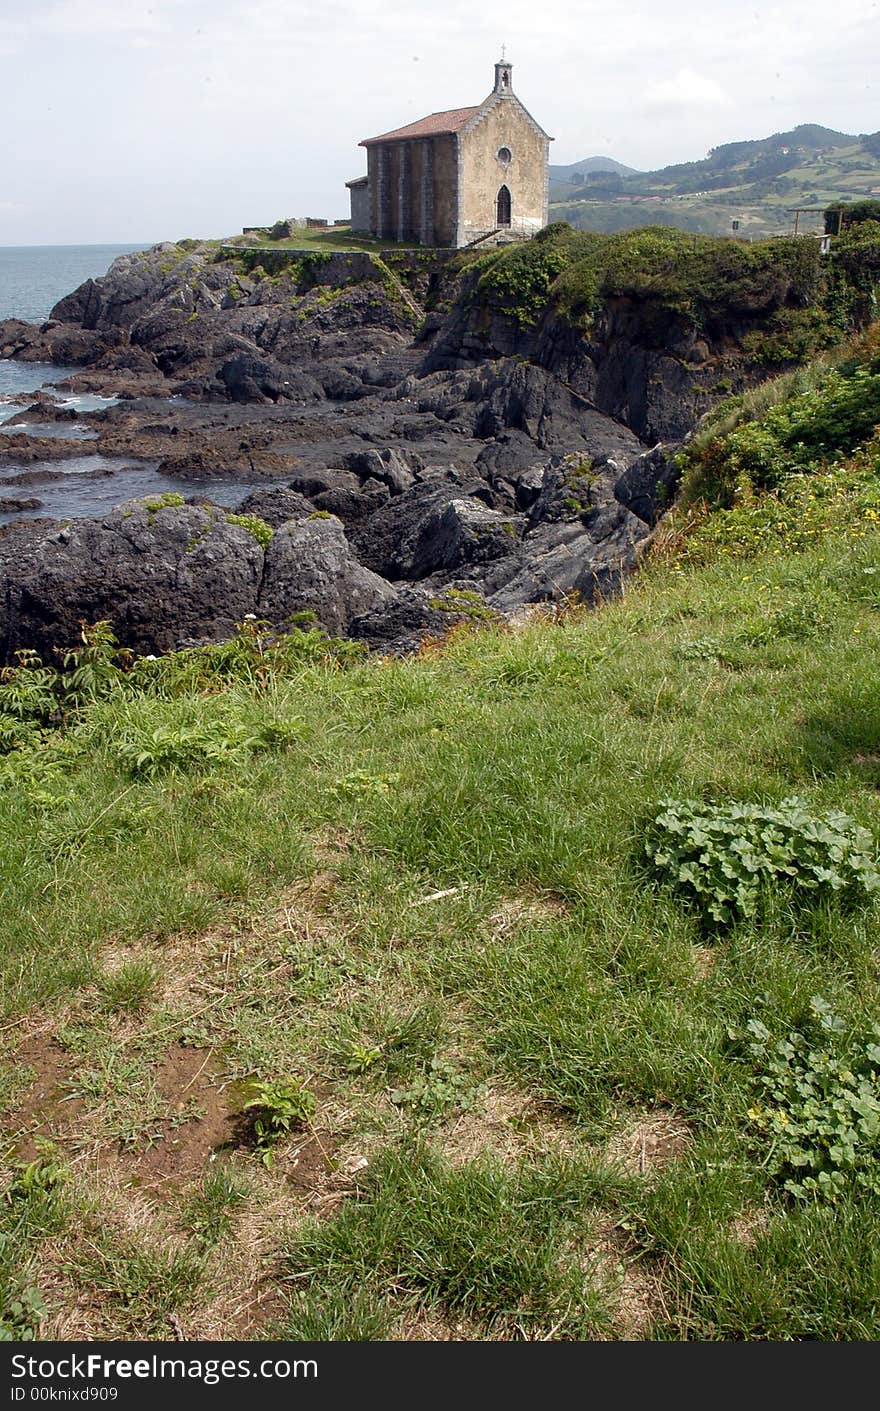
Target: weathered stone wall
x=394, y=152
x=413, y=221
x=482, y=174
x=360, y=208
x=445, y=190
x=382, y=187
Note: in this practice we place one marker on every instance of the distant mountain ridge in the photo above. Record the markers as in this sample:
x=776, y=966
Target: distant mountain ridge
x=755, y=183
x=590, y=164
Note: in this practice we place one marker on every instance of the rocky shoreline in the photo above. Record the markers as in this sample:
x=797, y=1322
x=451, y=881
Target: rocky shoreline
x=406, y=454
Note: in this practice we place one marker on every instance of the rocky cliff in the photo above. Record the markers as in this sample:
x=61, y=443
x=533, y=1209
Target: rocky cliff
x=499, y=426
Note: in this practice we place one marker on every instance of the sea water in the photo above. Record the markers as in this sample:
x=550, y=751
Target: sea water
x=32, y=280
x=34, y=277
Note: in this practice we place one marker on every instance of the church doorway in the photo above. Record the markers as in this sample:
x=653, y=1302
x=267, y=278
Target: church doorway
x=502, y=207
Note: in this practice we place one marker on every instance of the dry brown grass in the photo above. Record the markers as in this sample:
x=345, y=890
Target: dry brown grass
x=704, y=959
x=511, y=1126
x=645, y=1144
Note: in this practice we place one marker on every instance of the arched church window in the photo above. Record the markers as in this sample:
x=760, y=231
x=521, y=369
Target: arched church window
x=505, y=156
x=502, y=207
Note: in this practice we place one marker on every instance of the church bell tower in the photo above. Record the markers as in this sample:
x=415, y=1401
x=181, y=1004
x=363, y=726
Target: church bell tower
x=503, y=77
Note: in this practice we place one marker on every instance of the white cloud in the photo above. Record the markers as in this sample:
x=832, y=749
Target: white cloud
x=687, y=89
x=104, y=18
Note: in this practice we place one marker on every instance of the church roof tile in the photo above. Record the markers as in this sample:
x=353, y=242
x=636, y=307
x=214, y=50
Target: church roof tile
x=434, y=125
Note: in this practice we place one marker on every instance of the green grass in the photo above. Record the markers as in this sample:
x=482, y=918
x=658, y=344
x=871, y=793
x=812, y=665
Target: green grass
x=332, y=240
x=209, y=1210
x=419, y=885
x=495, y=1247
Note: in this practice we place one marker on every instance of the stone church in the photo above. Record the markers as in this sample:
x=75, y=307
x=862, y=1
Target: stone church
x=452, y=178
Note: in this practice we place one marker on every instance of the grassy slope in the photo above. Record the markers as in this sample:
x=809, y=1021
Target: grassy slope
x=430, y=907
x=417, y=887
x=331, y=241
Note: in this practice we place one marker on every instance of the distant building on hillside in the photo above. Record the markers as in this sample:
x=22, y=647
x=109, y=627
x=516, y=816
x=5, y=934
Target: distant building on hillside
x=452, y=178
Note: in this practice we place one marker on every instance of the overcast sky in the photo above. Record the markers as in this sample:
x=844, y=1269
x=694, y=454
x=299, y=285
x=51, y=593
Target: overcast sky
x=127, y=121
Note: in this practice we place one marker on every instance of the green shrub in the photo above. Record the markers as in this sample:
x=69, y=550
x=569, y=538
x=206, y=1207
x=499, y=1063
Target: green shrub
x=519, y=278
x=842, y=499
x=794, y=436
x=94, y=669
x=169, y=499
x=818, y=1106
x=29, y=692
x=40, y=770
x=844, y=214
x=255, y=656
x=725, y=857
x=789, y=335
x=855, y=260
x=436, y=1088
x=16, y=733
x=22, y=1316
x=177, y=747
x=277, y=1109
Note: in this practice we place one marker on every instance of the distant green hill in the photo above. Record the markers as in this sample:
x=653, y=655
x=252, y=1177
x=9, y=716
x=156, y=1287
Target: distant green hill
x=589, y=164
x=755, y=183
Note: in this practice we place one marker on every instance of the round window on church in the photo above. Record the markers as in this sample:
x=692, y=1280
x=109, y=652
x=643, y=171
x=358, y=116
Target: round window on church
x=504, y=156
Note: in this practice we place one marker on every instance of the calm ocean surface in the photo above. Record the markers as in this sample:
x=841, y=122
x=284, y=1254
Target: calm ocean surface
x=34, y=277
x=32, y=280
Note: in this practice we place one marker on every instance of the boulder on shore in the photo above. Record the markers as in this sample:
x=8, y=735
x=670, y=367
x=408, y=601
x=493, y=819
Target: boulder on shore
x=165, y=575
x=310, y=566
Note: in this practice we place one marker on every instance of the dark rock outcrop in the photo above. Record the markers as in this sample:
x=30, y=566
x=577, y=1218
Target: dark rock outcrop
x=276, y=505
x=588, y=557
x=506, y=462
x=165, y=576
x=310, y=567
x=12, y=504
x=250, y=379
x=647, y=487
x=414, y=614
x=394, y=468
x=459, y=532
x=644, y=366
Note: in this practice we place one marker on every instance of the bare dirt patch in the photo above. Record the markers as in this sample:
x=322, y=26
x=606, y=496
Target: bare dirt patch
x=247, y=1282
x=332, y=845
x=869, y=761
x=704, y=960
x=510, y=1126
x=517, y=911
x=748, y=1227
x=47, y=1108
x=203, y=1117
x=649, y=1143
x=633, y=1290
x=433, y=1325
